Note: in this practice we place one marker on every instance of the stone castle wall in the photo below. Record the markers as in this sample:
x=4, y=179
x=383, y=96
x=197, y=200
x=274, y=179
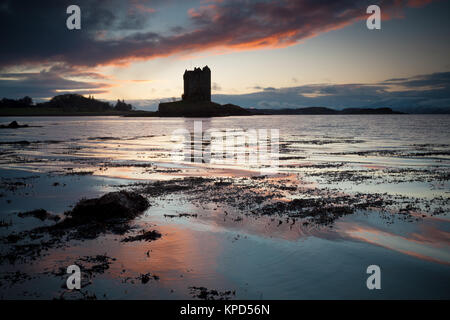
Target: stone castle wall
x=197, y=85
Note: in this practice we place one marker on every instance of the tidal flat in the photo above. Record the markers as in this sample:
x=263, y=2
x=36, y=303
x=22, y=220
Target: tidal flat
x=348, y=192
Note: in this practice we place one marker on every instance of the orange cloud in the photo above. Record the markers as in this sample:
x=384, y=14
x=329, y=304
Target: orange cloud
x=230, y=25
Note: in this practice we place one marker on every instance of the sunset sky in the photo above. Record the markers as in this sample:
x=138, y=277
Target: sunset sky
x=261, y=53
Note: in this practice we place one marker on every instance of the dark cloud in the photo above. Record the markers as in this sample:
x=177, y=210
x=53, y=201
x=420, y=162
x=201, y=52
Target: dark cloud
x=115, y=31
x=431, y=93
x=441, y=79
x=44, y=84
x=35, y=31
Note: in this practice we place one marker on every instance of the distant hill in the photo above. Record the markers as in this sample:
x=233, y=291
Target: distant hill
x=65, y=104
x=76, y=102
x=323, y=110
x=25, y=102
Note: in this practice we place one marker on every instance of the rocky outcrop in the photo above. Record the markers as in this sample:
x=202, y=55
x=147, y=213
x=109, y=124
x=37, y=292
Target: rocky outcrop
x=121, y=204
x=13, y=125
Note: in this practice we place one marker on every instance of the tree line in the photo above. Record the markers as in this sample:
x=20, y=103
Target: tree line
x=69, y=103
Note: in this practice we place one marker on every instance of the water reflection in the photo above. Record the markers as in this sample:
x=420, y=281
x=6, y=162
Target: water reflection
x=429, y=242
x=226, y=248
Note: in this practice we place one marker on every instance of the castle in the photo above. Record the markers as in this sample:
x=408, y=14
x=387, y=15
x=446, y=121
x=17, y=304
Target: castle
x=197, y=85
x=196, y=99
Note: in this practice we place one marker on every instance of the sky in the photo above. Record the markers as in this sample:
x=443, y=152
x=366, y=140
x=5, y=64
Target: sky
x=262, y=53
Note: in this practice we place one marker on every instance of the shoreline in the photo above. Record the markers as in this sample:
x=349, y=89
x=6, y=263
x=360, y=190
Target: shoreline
x=153, y=114
x=206, y=113
x=139, y=115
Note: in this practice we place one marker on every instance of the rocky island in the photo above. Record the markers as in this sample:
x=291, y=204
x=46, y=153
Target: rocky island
x=196, y=99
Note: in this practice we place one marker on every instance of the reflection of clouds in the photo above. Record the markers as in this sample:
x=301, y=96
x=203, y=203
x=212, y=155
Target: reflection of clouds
x=181, y=256
x=178, y=250
x=433, y=236
x=432, y=244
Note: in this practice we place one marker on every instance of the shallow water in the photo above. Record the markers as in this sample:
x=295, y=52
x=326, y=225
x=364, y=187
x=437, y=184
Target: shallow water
x=313, y=139
x=405, y=156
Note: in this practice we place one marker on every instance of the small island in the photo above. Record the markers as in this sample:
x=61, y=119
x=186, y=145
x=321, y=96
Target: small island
x=196, y=99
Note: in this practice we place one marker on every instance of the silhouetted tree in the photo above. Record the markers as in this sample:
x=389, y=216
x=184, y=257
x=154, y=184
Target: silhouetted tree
x=122, y=106
x=19, y=103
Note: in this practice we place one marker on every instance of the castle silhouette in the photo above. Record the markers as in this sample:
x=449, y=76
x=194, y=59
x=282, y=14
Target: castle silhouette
x=196, y=99
x=197, y=85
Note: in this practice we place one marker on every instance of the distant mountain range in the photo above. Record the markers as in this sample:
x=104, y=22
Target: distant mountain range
x=323, y=110
x=212, y=109
x=337, y=98
x=74, y=104
x=152, y=105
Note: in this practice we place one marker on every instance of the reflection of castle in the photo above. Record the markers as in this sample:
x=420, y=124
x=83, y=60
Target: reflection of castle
x=197, y=85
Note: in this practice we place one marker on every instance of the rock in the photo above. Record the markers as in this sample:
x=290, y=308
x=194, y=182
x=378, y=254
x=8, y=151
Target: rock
x=13, y=125
x=205, y=294
x=121, y=204
x=145, y=277
x=40, y=214
x=89, y=218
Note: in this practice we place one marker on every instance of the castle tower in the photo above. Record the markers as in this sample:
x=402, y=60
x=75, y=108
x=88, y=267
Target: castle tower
x=197, y=84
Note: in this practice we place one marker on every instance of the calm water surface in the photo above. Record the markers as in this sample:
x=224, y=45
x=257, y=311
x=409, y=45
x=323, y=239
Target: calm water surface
x=404, y=155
